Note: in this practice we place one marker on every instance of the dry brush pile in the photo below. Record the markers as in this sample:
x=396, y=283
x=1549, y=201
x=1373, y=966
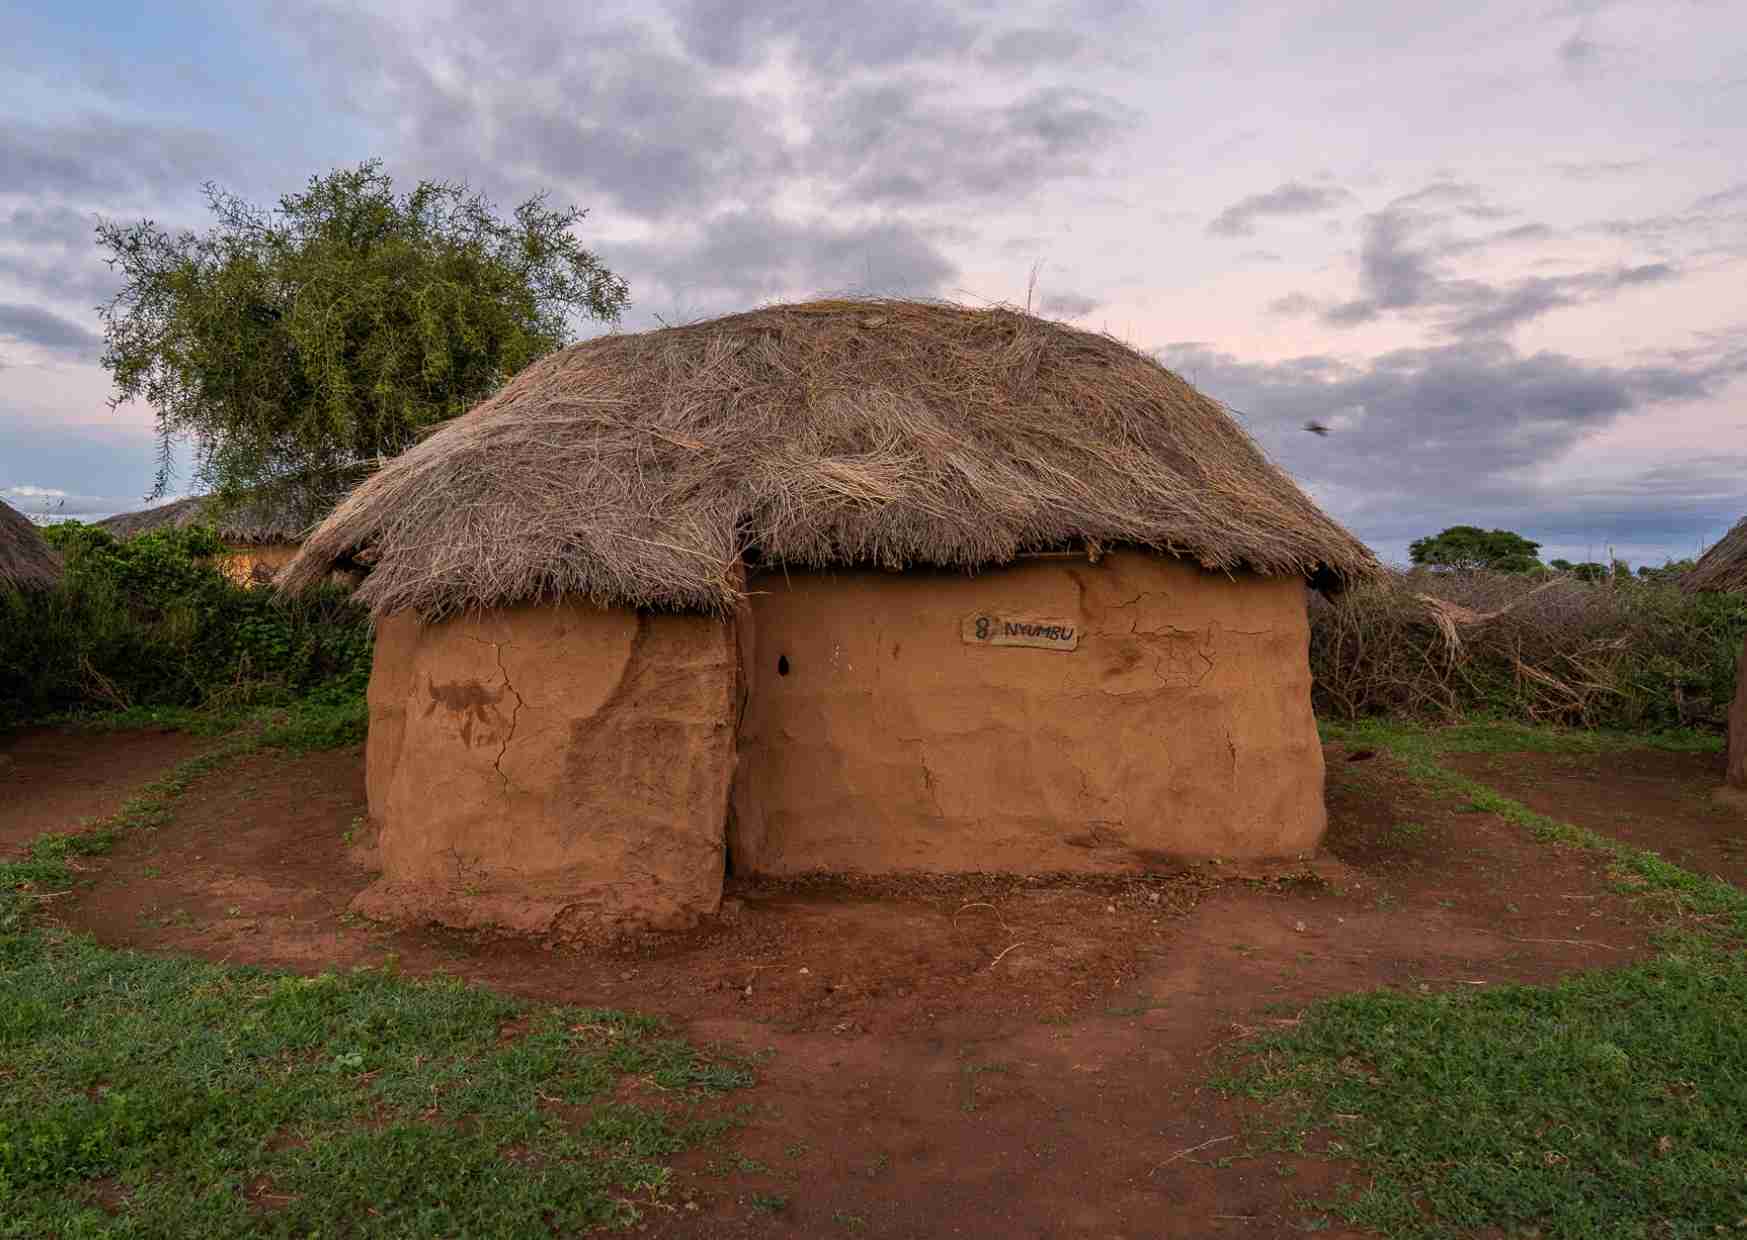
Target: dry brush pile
x=1537, y=648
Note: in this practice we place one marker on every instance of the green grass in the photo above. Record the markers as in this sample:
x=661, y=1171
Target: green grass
x=1719, y=905
x=1504, y=736
x=1612, y=1104
x=329, y=718
x=194, y=1100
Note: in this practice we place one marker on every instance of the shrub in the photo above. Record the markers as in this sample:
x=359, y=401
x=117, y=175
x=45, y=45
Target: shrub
x=152, y=622
x=1619, y=652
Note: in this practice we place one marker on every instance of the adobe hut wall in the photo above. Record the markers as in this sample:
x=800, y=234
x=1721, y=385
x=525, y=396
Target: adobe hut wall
x=551, y=769
x=256, y=565
x=882, y=734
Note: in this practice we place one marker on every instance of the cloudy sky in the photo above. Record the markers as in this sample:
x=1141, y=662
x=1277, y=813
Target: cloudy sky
x=1500, y=249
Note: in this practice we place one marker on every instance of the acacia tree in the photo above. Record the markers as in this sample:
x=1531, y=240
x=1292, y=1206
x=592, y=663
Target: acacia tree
x=299, y=341
x=1470, y=547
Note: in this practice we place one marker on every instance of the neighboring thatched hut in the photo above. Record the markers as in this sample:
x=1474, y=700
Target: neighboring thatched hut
x=846, y=586
x=262, y=533
x=26, y=561
x=1724, y=568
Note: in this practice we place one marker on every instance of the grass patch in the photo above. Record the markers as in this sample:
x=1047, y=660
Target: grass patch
x=1504, y=736
x=1715, y=905
x=329, y=718
x=159, y=1096
x=1611, y=1104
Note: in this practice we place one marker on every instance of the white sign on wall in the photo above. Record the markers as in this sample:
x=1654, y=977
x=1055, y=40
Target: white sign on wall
x=1039, y=633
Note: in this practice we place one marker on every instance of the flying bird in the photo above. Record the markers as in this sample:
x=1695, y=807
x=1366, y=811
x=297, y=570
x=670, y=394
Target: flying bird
x=1316, y=428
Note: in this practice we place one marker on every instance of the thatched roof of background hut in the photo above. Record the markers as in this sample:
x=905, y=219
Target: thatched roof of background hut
x=26, y=561
x=1724, y=566
x=639, y=469
x=278, y=514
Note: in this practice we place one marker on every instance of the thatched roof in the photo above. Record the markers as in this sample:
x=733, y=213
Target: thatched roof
x=26, y=561
x=640, y=469
x=279, y=515
x=1724, y=566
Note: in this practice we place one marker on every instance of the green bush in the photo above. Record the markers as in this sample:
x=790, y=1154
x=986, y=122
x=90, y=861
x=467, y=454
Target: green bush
x=152, y=622
x=1621, y=652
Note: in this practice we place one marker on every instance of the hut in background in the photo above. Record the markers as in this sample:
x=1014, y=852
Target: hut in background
x=26, y=561
x=261, y=532
x=1723, y=568
x=840, y=586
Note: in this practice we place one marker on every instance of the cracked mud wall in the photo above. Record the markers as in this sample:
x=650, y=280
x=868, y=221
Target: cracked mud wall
x=1180, y=726
x=552, y=770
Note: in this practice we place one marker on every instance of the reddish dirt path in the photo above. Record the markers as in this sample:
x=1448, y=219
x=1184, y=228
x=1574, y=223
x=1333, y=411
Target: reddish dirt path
x=915, y=1086
x=1649, y=798
x=53, y=779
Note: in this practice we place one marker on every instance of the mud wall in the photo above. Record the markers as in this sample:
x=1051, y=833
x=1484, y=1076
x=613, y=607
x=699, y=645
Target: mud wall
x=882, y=733
x=255, y=565
x=554, y=769
x=258, y=564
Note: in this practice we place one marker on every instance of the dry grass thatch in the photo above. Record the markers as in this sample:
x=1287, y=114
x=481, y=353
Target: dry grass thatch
x=1724, y=566
x=26, y=561
x=281, y=515
x=641, y=469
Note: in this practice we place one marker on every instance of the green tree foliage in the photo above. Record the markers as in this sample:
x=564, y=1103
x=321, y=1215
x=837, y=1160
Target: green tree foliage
x=1670, y=571
x=294, y=341
x=1470, y=547
x=152, y=622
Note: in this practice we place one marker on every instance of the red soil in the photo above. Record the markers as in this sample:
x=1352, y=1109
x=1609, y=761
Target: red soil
x=54, y=780
x=978, y=1057
x=1655, y=800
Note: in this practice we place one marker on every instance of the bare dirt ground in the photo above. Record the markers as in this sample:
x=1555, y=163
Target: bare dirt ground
x=977, y=1058
x=53, y=779
x=1655, y=800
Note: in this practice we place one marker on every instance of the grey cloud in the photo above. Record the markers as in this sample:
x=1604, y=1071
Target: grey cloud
x=522, y=105
x=826, y=36
x=1400, y=270
x=52, y=251
x=1734, y=196
x=1579, y=54
x=34, y=325
x=746, y=256
x=1069, y=305
x=896, y=142
x=97, y=155
x=1030, y=46
x=1293, y=304
x=1599, y=169
x=47, y=501
x=1292, y=198
x=623, y=118
x=50, y=225
x=1428, y=437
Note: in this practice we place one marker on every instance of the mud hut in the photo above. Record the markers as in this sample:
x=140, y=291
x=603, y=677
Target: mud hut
x=845, y=586
x=1724, y=568
x=261, y=533
x=26, y=561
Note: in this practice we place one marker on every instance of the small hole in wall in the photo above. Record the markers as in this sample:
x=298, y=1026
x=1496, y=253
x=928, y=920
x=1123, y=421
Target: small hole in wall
x=782, y=665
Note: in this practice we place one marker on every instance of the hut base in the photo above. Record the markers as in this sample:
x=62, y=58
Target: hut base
x=557, y=771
